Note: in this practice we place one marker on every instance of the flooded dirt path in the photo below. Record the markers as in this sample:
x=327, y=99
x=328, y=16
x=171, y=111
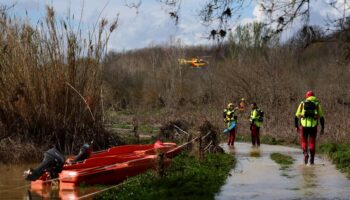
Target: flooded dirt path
x=256, y=176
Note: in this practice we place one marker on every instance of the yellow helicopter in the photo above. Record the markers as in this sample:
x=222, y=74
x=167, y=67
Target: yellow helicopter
x=194, y=62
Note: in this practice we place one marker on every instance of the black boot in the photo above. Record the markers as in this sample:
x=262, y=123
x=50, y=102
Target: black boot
x=306, y=157
x=312, y=157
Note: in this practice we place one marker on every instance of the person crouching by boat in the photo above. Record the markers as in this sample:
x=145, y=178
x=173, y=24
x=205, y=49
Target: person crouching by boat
x=52, y=163
x=231, y=119
x=84, y=153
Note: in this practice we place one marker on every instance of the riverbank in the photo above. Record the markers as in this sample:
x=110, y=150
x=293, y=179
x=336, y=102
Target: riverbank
x=187, y=178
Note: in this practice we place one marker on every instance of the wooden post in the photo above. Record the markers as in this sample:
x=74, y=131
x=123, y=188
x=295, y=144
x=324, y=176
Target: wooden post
x=161, y=165
x=200, y=147
x=190, y=145
x=135, y=125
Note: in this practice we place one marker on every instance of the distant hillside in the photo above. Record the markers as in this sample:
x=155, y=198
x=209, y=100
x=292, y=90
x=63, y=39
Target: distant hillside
x=275, y=76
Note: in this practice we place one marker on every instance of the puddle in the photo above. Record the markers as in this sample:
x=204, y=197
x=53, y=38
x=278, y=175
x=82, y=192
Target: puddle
x=256, y=176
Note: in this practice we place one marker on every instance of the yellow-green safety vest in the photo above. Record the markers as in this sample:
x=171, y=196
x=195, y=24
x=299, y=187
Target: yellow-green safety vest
x=230, y=117
x=309, y=121
x=255, y=118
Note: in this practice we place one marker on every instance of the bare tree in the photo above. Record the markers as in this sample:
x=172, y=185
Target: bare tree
x=280, y=14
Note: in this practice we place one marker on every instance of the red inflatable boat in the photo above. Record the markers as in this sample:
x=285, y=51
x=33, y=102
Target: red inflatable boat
x=110, y=174
x=137, y=158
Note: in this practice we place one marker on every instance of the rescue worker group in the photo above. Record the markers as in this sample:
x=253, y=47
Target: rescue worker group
x=307, y=117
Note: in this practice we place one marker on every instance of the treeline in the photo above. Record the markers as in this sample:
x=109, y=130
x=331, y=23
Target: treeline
x=250, y=65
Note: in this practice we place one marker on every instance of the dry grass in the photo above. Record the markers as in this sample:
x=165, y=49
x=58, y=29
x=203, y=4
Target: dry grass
x=51, y=85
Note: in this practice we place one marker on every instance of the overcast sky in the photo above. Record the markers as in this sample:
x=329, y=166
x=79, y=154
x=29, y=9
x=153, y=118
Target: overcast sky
x=150, y=24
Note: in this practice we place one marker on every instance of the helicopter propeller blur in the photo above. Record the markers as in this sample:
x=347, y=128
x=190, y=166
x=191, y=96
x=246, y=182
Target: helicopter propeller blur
x=194, y=62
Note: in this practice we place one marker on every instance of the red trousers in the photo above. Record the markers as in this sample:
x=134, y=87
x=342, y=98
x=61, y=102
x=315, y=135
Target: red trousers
x=308, y=137
x=255, y=133
x=231, y=137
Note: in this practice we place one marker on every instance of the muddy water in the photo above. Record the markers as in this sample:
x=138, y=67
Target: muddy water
x=13, y=186
x=256, y=176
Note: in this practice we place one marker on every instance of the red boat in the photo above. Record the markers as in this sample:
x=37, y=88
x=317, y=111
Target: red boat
x=111, y=156
x=116, y=173
x=110, y=174
x=121, y=154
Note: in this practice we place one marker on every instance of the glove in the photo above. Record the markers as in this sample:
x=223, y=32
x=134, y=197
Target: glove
x=322, y=131
x=322, y=125
x=296, y=122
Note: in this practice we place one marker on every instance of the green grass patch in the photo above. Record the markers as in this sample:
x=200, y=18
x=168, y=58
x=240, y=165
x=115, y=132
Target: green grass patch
x=295, y=189
x=263, y=139
x=339, y=154
x=187, y=178
x=284, y=160
x=122, y=126
x=112, y=114
x=130, y=139
x=271, y=140
x=146, y=128
x=154, y=112
x=285, y=174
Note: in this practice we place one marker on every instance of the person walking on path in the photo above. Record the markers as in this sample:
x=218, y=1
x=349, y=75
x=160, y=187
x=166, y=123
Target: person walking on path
x=256, y=121
x=308, y=114
x=231, y=119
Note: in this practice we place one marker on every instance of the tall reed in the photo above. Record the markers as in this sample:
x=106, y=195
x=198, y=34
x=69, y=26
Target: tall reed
x=51, y=86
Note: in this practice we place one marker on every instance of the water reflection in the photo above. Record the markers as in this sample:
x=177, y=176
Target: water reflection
x=13, y=186
x=309, y=180
x=55, y=193
x=231, y=150
x=309, y=176
x=45, y=193
x=255, y=152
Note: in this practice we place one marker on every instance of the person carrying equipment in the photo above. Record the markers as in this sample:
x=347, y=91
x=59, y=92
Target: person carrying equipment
x=231, y=119
x=307, y=116
x=256, y=121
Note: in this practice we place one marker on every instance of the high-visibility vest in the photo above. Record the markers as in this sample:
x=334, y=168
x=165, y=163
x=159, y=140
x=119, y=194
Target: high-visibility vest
x=229, y=115
x=256, y=118
x=306, y=115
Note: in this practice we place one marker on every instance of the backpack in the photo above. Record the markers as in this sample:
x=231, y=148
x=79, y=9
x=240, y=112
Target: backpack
x=310, y=108
x=260, y=115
